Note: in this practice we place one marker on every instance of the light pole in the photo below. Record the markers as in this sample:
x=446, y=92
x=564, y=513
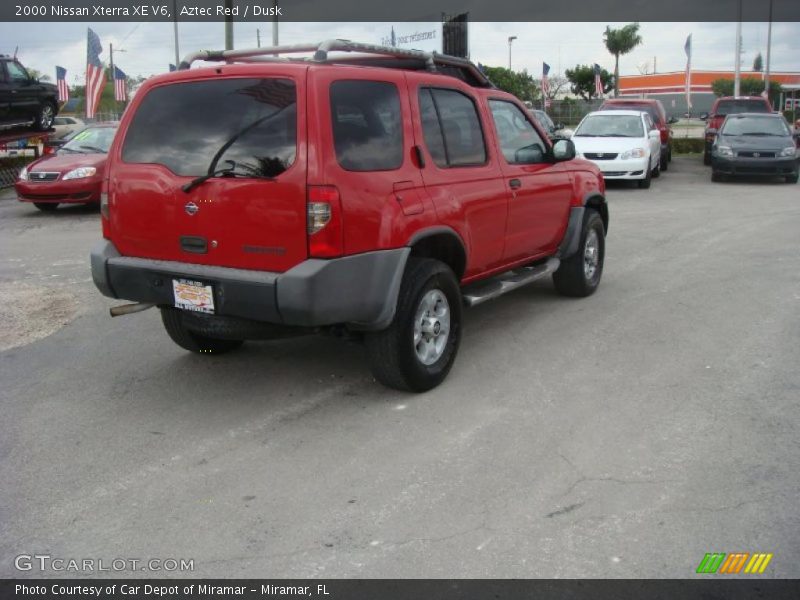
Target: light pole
x=511, y=38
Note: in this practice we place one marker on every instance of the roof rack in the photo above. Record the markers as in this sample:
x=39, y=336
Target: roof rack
x=364, y=54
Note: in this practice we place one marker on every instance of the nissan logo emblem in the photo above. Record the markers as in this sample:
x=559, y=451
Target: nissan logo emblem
x=191, y=208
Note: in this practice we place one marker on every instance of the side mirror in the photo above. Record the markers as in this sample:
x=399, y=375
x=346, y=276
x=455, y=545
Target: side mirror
x=529, y=155
x=564, y=150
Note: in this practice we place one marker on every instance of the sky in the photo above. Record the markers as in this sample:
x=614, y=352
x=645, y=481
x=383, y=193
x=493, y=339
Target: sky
x=147, y=48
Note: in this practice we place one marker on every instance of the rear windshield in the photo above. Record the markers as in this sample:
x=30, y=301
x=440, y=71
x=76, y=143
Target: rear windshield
x=249, y=125
x=611, y=125
x=756, y=126
x=732, y=107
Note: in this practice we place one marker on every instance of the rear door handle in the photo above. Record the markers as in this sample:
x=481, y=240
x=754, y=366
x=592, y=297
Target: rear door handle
x=515, y=184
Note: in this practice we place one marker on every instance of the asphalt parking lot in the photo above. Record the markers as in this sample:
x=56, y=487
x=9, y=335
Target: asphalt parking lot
x=623, y=435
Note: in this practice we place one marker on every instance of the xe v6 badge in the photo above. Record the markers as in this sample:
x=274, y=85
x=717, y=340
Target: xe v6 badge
x=191, y=208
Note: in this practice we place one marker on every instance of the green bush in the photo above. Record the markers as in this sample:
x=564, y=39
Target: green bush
x=688, y=145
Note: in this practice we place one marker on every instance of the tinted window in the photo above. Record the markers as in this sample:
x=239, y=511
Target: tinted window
x=91, y=139
x=514, y=131
x=460, y=128
x=193, y=127
x=731, y=107
x=431, y=128
x=610, y=125
x=756, y=126
x=16, y=72
x=367, y=125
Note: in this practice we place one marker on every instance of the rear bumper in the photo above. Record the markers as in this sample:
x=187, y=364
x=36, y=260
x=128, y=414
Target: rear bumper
x=359, y=290
x=768, y=167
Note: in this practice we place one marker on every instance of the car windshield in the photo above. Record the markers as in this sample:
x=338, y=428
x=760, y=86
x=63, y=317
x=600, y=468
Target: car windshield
x=91, y=139
x=732, y=107
x=611, y=126
x=248, y=126
x=544, y=119
x=755, y=126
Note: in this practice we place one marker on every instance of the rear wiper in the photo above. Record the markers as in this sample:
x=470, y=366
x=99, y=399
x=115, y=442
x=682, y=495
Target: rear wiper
x=226, y=172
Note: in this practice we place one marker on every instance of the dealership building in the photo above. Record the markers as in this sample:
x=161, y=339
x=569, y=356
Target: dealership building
x=670, y=88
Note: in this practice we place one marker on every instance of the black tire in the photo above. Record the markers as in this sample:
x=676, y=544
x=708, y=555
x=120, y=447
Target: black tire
x=716, y=176
x=191, y=341
x=46, y=206
x=706, y=158
x=656, y=173
x=393, y=353
x=791, y=178
x=44, y=116
x=645, y=183
x=669, y=156
x=664, y=161
x=571, y=277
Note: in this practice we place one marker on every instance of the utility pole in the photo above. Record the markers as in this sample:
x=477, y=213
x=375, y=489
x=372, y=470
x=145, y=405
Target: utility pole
x=655, y=70
x=275, y=23
x=175, y=32
x=737, y=75
x=769, y=49
x=511, y=38
x=258, y=38
x=228, y=25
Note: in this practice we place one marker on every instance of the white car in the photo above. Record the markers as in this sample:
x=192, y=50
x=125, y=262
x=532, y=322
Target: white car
x=64, y=126
x=624, y=144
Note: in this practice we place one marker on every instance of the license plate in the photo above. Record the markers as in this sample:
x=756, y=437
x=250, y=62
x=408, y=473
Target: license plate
x=193, y=295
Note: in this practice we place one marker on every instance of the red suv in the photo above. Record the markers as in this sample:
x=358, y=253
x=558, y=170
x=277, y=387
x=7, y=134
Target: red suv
x=367, y=195
x=730, y=105
x=656, y=111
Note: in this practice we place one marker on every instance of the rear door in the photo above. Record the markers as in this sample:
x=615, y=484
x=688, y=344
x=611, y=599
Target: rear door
x=251, y=131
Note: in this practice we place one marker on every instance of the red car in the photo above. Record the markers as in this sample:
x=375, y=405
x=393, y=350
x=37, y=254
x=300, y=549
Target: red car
x=73, y=175
x=367, y=195
x=730, y=105
x=656, y=111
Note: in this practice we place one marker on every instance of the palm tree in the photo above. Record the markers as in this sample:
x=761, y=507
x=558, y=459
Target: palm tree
x=621, y=41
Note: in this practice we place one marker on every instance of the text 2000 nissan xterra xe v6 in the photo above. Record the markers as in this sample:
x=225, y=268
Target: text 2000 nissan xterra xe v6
x=372, y=194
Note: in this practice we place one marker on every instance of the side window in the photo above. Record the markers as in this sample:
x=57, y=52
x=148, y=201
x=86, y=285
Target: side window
x=514, y=131
x=16, y=72
x=367, y=125
x=459, y=139
x=649, y=122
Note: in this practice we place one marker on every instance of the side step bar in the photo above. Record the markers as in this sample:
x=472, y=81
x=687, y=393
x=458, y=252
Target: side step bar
x=478, y=293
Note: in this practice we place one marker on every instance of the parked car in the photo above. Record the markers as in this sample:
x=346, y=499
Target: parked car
x=553, y=130
x=66, y=126
x=25, y=101
x=655, y=109
x=624, y=144
x=755, y=144
x=338, y=195
x=72, y=175
x=730, y=105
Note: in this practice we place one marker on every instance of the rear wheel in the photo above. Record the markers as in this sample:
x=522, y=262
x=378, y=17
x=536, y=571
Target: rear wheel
x=415, y=353
x=664, y=161
x=579, y=275
x=191, y=341
x=46, y=206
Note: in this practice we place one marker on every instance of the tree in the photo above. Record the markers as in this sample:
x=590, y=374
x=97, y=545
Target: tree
x=619, y=42
x=519, y=83
x=758, y=63
x=582, y=80
x=748, y=86
x=556, y=84
x=35, y=74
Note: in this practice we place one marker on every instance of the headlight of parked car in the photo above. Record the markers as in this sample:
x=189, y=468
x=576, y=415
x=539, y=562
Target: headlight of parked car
x=23, y=175
x=790, y=151
x=80, y=173
x=635, y=153
x=724, y=151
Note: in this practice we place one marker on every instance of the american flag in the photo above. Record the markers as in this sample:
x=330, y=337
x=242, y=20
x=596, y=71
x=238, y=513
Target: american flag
x=598, y=80
x=61, y=82
x=120, y=85
x=95, y=74
x=545, y=83
x=688, y=49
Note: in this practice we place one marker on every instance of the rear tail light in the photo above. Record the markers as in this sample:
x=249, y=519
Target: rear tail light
x=664, y=136
x=324, y=221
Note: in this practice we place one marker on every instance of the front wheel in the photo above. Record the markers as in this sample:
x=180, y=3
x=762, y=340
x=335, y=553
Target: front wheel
x=45, y=117
x=579, y=275
x=645, y=183
x=191, y=341
x=415, y=353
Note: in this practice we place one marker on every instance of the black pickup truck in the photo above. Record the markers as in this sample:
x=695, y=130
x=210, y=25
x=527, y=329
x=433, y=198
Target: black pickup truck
x=25, y=101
